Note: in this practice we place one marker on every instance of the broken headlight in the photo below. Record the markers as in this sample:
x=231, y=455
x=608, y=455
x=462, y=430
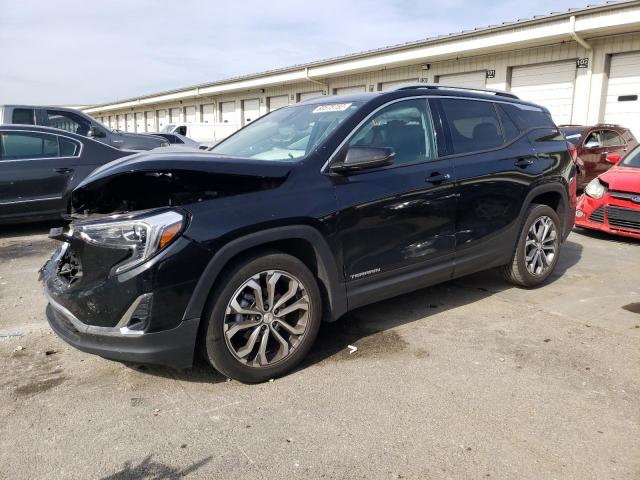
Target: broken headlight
x=143, y=236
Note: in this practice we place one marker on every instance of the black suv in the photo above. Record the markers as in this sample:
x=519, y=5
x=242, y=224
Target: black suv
x=306, y=213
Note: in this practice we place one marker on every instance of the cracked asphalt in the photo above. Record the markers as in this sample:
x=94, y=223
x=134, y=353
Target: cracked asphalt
x=465, y=380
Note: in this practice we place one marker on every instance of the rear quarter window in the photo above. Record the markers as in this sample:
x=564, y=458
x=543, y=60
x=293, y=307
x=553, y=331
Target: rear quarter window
x=526, y=117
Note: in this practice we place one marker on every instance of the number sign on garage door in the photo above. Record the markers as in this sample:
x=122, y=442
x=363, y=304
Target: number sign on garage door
x=228, y=112
x=550, y=85
x=623, y=92
x=250, y=110
x=348, y=90
x=467, y=80
x=278, y=102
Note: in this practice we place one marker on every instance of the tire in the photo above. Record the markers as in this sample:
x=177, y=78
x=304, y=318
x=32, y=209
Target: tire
x=519, y=270
x=236, y=349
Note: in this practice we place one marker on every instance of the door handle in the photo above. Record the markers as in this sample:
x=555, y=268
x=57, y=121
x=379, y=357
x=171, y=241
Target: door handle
x=63, y=170
x=437, y=178
x=524, y=162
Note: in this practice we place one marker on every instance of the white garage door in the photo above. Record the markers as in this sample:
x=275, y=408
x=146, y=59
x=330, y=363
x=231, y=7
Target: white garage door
x=121, y=123
x=139, y=121
x=278, y=102
x=550, y=85
x=150, y=121
x=191, y=114
x=228, y=112
x=468, y=80
x=308, y=95
x=348, y=90
x=162, y=119
x=384, y=86
x=129, y=122
x=207, y=114
x=623, y=92
x=174, y=115
x=250, y=110
x=111, y=122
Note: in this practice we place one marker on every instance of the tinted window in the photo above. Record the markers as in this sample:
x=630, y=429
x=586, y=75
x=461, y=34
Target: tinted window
x=68, y=148
x=68, y=121
x=18, y=145
x=23, y=116
x=403, y=126
x=526, y=117
x=572, y=136
x=632, y=160
x=611, y=139
x=473, y=125
x=509, y=128
x=594, y=140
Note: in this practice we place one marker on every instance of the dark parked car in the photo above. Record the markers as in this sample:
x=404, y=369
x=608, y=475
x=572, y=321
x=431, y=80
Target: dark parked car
x=40, y=166
x=593, y=144
x=304, y=214
x=77, y=122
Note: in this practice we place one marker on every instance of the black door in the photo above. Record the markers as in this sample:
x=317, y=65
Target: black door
x=396, y=224
x=495, y=166
x=33, y=174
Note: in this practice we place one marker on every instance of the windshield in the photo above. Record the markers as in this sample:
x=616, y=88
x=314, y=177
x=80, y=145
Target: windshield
x=287, y=134
x=632, y=160
x=168, y=128
x=572, y=135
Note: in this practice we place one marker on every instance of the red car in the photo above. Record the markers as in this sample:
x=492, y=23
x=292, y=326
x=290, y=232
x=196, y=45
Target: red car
x=611, y=202
x=593, y=144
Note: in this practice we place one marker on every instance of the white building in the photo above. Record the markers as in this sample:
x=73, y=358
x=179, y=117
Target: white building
x=583, y=64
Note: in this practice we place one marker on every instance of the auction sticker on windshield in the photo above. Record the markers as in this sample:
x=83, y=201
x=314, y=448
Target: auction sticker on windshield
x=334, y=107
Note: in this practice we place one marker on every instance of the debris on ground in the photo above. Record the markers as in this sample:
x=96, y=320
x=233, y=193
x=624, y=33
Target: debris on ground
x=156, y=412
x=50, y=352
x=352, y=349
x=18, y=348
x=6, y=334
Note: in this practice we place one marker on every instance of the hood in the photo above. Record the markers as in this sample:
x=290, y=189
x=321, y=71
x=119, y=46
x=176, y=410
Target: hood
x=624, y=179
x=153, y=179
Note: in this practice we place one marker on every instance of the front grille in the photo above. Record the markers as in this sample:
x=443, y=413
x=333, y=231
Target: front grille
x=597, y=215
x=623, y=218
x=624, y=195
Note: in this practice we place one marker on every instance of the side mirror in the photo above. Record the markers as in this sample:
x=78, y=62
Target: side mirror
x=363, y=158
x=592, y=144
x=613, y=158
x=95, y=132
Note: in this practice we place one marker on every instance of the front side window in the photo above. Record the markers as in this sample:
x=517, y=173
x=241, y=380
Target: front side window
x=632, y=160
x=287, y=134
x=23, y=145
x=404, y=126
x=473, y=125
x=23, y=116
x=594, y=140
x=68, y=121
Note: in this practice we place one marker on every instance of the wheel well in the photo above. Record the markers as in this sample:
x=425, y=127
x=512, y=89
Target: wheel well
x=553, y=200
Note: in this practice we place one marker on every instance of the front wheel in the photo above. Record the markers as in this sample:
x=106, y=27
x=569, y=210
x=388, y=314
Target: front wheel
x=263, y=319
x=538, y=248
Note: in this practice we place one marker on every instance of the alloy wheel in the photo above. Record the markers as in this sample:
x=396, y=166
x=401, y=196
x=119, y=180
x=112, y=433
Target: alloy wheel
x=266, y=318
x=541, y=245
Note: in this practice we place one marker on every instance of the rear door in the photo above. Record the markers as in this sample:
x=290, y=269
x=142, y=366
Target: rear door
x=35, y=171
x=396, y=224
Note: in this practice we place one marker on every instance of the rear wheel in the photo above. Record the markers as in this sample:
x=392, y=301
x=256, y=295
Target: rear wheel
x=263, y=319
x=536, y=253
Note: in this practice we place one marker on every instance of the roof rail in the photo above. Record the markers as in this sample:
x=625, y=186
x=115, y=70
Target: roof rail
x=437, y=86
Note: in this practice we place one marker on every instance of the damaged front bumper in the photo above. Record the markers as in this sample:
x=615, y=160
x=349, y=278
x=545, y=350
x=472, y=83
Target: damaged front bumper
x=137, y=316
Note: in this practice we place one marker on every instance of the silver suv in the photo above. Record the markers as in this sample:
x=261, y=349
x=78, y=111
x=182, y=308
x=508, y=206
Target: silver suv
x=77, y=122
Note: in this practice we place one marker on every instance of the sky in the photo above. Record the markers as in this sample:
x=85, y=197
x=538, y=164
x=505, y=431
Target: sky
x=71, y=52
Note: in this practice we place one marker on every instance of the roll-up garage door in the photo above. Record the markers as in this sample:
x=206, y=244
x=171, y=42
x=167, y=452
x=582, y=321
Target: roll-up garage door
x=150, y=121
x=121, y=123
x=190, y=114
x=207, y=114
x=139, y=121
x=384, y=86
x=550, y=85
x=250, y=110
x=623, y=92
x=111, y=122
x=174, y=115
x=308, y=95
x=468, y=80
x=348, y=90
x=228, y=112
x=129, y=122
x=162, y=119
x=278, y=102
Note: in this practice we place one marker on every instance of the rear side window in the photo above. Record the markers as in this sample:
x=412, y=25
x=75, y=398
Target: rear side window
x=526, y=117
x=23, y=145
x=68, y=121
x=474, y=125
x=68, y=148
x=23, y=116
x=611, y=139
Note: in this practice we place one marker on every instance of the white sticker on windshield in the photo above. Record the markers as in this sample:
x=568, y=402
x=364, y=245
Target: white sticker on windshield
x=334, y=107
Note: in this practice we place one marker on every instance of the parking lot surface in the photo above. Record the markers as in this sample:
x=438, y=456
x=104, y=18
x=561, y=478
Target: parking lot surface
x=469, y=379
